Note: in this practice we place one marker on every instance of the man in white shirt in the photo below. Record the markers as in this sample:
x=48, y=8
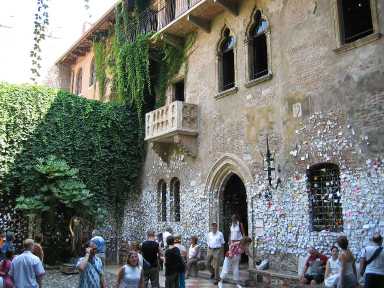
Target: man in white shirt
x=168, y=232
x=27, y=269
x=215, y=252
x=372, y=257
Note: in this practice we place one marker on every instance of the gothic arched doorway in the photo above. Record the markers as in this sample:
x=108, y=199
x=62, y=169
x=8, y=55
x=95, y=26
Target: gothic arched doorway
x=233, y=201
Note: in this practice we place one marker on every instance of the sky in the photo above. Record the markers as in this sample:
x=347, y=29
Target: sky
x=67, y=18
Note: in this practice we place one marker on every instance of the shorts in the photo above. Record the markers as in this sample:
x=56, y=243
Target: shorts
x=318, y=278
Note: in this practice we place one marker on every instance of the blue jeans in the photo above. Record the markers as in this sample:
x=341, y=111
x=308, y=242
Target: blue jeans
x=182, y=280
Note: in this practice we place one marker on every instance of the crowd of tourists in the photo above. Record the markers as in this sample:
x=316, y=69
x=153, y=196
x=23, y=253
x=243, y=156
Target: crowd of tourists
x=341, y=271
x=165, y=251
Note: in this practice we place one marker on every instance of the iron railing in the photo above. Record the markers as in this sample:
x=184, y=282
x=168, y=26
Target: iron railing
x=147, y=23
x=153, y=21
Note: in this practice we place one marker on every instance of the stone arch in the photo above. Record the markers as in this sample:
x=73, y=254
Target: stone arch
x=219, y=174
x=251, y=21
x=221, y=38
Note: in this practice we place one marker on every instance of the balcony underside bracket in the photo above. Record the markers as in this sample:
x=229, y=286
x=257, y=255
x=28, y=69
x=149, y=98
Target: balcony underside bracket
x=173, y=40
x=200, y=23
x=182, y=144
x=229, y=6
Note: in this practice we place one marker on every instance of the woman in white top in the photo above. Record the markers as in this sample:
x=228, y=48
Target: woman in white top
x=332, y=269
x=348, y=275
x=237, y=230
x=193, y=256
x=131, y=274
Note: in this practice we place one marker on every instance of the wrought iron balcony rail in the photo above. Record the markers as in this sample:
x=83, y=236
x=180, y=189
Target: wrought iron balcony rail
x=146, y=23
x=153, y=21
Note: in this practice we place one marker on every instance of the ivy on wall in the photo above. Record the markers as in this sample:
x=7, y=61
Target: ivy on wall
x=100, y=140
x=130, y=57
x=99, y=49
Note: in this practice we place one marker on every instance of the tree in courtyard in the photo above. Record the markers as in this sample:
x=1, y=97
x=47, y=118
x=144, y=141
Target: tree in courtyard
x=61, y=195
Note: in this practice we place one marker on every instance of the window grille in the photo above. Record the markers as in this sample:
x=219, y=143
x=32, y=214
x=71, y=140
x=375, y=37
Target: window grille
x=324, y=197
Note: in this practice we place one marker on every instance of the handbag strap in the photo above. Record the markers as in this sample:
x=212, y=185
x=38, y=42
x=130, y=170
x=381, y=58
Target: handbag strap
x=375, y=255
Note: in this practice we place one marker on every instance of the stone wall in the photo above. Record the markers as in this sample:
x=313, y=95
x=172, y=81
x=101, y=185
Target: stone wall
x=319, y=106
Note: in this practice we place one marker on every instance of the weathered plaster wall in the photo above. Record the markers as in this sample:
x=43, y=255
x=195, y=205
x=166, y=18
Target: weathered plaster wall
x=84, y=62
x=341, y=121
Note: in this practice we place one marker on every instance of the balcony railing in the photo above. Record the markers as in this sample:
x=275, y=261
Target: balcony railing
x=177, y=118
x=146, y=23
x=173, y=9
x=154, y=21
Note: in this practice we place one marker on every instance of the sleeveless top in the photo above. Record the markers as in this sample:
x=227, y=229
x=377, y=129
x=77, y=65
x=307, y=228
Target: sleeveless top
x=334, y=266
x=131, y=278
x=236, y=232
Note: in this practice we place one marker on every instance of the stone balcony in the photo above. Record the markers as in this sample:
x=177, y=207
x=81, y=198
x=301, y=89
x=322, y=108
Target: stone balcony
x=172, y=125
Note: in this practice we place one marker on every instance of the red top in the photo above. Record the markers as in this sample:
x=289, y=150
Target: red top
x=5, y=266
x=312, y=258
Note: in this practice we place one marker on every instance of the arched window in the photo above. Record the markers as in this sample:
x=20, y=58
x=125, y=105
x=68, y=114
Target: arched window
x=162, y=196
x=227, y=61
x=79, y=80
x=323, y=182
x=257, y=47
x=92, y=73
x=175, y=194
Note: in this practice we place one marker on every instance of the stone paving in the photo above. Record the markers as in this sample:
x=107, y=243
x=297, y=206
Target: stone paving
x=56, y=279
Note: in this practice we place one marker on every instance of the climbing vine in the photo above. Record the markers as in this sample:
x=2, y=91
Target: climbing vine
x=40, y=25
x=129, y=60
x=99, y=48
x=172, y=59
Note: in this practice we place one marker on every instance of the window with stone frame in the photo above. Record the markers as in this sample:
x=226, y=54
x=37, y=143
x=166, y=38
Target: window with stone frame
x=258, y=47
x=79, y=81
x=162, y=201
x=227, y=61
x=92, y=73
x=355, y=19
x=175, y=200
x=323, y=185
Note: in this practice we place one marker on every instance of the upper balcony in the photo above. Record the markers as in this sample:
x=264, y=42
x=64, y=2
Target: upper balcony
x=180, y=17
x=176, y=123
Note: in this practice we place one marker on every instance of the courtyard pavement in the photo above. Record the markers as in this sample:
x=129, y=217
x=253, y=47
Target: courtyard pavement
x=56, y=279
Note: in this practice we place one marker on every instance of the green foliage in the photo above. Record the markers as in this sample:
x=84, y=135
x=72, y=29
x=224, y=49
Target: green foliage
x=100, y=140
x=172, y=60
x=60, y=186
x=99, y=49
x=40, y=25
x=131, y=66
